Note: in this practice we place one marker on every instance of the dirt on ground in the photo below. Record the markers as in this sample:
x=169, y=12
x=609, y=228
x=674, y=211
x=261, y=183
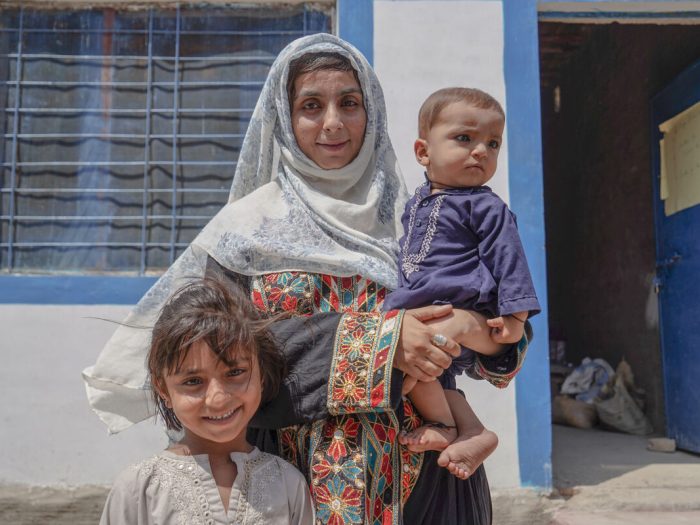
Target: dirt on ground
x=21, y=505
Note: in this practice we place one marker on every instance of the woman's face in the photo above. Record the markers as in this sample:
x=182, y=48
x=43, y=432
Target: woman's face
x=328, y=117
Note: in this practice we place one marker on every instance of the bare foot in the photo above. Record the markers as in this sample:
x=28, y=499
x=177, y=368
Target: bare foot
x=428, y=437
x=464, y=455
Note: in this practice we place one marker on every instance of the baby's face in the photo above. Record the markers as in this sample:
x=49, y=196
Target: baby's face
x=461, y=149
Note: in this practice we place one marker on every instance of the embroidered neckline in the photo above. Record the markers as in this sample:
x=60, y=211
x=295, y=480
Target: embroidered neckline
x=410, y=261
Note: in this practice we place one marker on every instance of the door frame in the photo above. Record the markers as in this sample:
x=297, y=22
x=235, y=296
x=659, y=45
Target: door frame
x=521, y=64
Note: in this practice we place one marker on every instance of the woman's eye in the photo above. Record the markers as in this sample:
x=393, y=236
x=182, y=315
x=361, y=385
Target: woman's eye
x=236, y=372
x=192, y=381
x=463, y=138
x=350, y=103
x=311, y=104
x=494, y=144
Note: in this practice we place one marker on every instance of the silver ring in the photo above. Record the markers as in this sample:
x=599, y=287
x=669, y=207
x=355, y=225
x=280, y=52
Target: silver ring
x=438, y=340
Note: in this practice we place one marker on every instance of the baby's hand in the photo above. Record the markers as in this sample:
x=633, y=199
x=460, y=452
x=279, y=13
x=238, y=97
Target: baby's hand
x=508, y=329
x=408, y=383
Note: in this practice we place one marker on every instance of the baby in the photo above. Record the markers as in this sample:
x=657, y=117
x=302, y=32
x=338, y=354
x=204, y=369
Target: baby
x=461, y=246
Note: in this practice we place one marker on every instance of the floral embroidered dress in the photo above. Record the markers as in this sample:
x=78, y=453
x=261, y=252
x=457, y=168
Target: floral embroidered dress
x=340, y=409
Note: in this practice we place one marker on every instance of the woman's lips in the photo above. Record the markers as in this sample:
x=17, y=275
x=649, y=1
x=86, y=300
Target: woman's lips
x=333, y=147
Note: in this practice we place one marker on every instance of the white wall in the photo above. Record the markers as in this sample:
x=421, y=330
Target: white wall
x=421, y=46
x=48, y=433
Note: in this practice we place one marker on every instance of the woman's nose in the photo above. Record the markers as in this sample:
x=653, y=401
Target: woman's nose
x=331, y=119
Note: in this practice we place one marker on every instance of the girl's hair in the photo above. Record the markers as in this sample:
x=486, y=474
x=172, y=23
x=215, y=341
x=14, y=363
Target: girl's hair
x=316, y=62
x=224, y=318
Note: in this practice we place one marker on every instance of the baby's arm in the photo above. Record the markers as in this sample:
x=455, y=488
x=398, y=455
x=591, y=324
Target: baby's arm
x=469, y=329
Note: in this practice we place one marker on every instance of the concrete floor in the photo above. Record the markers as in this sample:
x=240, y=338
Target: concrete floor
x=606, y=478
x=600, y=478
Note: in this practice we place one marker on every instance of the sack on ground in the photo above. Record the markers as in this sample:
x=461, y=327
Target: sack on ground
x=568, y=411
x=620, y=412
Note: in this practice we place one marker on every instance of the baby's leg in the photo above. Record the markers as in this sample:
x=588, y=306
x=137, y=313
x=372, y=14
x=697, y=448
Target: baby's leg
x=439, y=429
x=473, y=444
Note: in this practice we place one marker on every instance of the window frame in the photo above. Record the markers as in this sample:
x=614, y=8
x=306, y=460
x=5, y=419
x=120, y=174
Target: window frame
x=354, y=23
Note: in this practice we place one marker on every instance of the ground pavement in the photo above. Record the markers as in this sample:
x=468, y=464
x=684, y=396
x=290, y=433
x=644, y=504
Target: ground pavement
x=606, y=478
x=600, y=478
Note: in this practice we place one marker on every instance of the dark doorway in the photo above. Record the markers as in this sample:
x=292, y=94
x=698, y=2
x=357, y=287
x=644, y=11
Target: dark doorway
x=597, y=82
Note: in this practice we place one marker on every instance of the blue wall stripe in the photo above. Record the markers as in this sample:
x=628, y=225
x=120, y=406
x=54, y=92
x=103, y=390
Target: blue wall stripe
x=78, y=289
x=521, y=63
x=356, y=25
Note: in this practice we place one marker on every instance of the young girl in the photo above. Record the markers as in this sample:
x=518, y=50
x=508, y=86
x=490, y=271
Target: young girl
x=211, y=362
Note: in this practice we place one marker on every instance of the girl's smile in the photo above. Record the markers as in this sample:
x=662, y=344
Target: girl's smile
x=213, y=400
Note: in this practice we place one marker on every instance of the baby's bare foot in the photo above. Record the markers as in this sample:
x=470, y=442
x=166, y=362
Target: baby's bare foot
x=428, y=437
x=464, y=455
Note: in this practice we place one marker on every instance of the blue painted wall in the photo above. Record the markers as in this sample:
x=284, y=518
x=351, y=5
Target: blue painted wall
x=356, y=25
x=521, y=63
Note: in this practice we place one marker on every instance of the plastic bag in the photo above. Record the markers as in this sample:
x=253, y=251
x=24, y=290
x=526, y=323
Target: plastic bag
x=620, y=412
x=588, y=379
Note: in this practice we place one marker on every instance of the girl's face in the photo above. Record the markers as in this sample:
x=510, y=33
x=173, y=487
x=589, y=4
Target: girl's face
x=328, y=117
x=213, y=401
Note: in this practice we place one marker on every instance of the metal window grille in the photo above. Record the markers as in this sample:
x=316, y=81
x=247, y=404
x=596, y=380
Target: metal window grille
x=121, y=130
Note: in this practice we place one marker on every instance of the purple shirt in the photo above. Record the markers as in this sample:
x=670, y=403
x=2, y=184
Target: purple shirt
x=461, y=246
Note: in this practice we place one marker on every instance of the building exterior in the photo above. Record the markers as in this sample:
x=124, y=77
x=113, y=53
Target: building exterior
x=50, y=320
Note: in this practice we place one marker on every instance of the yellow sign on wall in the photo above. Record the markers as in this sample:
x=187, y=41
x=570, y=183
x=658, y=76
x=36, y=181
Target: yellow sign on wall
x=680, y=161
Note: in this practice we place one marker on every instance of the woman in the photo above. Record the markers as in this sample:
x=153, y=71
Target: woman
x=311, y=227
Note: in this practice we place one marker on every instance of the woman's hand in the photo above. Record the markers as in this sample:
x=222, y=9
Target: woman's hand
x=416, y=355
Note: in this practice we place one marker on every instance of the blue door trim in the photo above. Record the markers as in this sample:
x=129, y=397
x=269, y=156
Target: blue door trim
x=356, y=25
x=522, y=76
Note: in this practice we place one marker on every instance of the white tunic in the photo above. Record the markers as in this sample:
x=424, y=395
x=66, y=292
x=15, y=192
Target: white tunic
x=169, y=489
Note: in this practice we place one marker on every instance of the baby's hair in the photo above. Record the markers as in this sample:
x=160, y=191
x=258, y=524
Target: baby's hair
x=223, y=317
x=316, y=62
x=435, y=103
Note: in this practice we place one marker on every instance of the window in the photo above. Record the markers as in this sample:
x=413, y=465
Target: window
x=121, y=130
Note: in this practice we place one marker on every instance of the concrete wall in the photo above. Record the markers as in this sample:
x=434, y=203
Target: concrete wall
x=447, y=43
x=598, y=194
x=48, y=433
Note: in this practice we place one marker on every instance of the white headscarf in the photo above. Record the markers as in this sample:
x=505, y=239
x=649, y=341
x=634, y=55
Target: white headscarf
x=284, y=213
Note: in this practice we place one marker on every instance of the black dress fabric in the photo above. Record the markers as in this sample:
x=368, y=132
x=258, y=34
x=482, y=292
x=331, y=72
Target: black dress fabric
x=439, y=498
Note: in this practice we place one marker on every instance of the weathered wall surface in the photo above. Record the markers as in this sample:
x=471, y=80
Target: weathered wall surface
x=48, y=433
x=598, y=194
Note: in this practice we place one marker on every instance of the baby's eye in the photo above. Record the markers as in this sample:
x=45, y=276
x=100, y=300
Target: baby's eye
x=494, y=144
x=463, y=138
